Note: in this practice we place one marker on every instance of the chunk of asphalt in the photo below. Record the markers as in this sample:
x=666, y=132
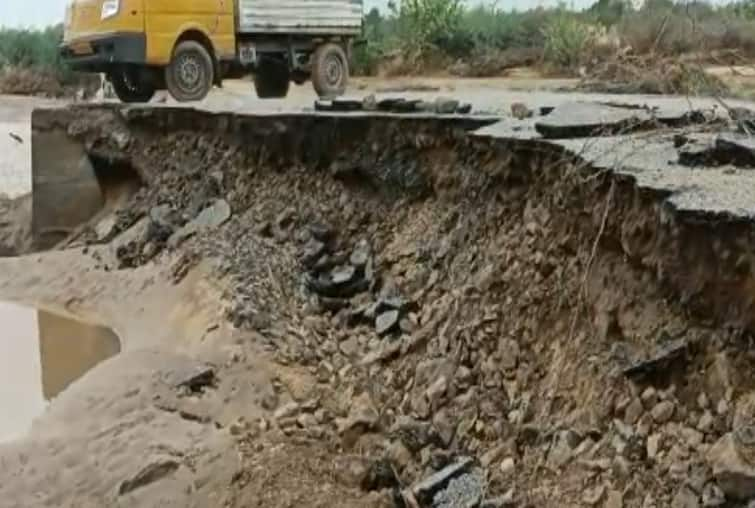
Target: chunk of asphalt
x=583, y=120
x=661, y=359
x=425, y=490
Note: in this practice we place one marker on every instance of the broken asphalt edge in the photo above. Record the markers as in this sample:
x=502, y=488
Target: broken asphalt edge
x=642, y=205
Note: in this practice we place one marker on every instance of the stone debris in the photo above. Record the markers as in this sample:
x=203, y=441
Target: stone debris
x=211, y=217
x=662, y=359
x=734, y=475
x=685, y=498
x=440, y=106
x=713, y=496
x=362, y=417
x=156, y=469
x=341, y=285
x=520, y=111
x=387, y=322
x=583, y=120
x=423, y=493
x=445, y=106
x=105, y=227
x=464, y=490
x=442, y=326
x=615, y=499
x=725, y=149
x=663, y=411
x=194, y=378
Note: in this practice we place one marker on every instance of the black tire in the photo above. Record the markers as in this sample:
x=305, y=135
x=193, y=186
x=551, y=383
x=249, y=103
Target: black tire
x=330, y=70
x=130, y=87
x=191, y=72
x=272, y=79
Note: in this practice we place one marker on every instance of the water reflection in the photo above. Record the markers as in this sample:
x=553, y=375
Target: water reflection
x=40, y=355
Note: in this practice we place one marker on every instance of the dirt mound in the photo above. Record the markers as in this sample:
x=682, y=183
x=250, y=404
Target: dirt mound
x=477, y=330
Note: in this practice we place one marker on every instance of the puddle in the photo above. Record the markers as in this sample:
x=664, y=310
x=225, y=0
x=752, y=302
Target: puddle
x=40, y=355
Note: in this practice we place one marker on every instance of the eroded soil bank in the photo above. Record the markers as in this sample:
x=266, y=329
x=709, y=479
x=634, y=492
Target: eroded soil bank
x=420, y=300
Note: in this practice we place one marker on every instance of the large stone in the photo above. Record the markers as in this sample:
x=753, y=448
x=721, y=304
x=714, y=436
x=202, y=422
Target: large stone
x=351, y=470
x=733, y=474
x=737, y=149
x=192, y=377
x=685, y=498
x=361, y=254
x=713, y=496
x=325, y=285
x=211, y=217
x=414, y=434
x=425, y=490
x=136, y=234
x=615, y=499
x=562, y=448
x=446, y=106
x=668, y=353
x=387, y=322
x=663, y=411
x=154, y=470
x=105, y=227
x=363, y=417
x=321, y=232
x=464, y=490
x=343, y=275
x=312, y=251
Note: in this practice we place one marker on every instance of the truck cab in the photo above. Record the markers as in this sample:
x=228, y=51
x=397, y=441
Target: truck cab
x=188, y=46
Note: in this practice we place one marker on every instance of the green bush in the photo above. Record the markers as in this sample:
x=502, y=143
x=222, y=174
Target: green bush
x=566, y=40
x=33, y=49
x=423, y=25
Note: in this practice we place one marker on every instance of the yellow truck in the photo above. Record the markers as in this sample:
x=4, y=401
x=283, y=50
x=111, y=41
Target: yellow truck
x=189, y=46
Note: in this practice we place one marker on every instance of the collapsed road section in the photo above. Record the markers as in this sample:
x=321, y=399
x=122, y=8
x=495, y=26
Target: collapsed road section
x=485, y=313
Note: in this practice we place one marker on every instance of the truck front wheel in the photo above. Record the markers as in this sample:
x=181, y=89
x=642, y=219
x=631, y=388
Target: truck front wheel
x=129, y=85
x=272, y=79
x=191, y=73
x=330, y=70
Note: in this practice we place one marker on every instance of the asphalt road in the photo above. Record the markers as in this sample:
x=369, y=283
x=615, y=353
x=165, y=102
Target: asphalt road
x=489, y=96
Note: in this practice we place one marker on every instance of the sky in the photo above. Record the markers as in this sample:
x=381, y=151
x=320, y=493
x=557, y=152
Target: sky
x=39, y=13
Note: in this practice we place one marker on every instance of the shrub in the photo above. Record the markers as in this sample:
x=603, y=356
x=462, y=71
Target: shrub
x=33, y=49
x=424, y=24
x=566, y=41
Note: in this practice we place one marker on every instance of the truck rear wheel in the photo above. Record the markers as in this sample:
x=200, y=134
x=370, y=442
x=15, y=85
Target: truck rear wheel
x=330, y=70
x=272, y=79
x=130, y=86
x=191, y=72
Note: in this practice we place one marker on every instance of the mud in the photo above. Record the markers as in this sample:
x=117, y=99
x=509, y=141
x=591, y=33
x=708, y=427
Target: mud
x=42, y=354
x=531, y=281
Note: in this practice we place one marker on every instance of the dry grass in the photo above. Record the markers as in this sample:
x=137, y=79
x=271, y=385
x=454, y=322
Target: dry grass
x=652, y=75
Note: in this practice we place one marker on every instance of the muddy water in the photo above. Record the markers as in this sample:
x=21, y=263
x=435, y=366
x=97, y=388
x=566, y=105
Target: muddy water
x=40, y=355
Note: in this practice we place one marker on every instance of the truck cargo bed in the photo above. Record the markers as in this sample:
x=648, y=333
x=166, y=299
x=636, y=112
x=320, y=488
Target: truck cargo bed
x=319, y=17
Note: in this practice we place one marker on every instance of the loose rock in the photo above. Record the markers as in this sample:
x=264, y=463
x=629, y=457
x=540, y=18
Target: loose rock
x=713, y=496
x=663, y=411
x=425, y=490
x=685, y=498
x=733, y=475
x=387, y=322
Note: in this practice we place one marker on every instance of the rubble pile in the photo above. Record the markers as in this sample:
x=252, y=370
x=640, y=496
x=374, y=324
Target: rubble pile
x=477, y=331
